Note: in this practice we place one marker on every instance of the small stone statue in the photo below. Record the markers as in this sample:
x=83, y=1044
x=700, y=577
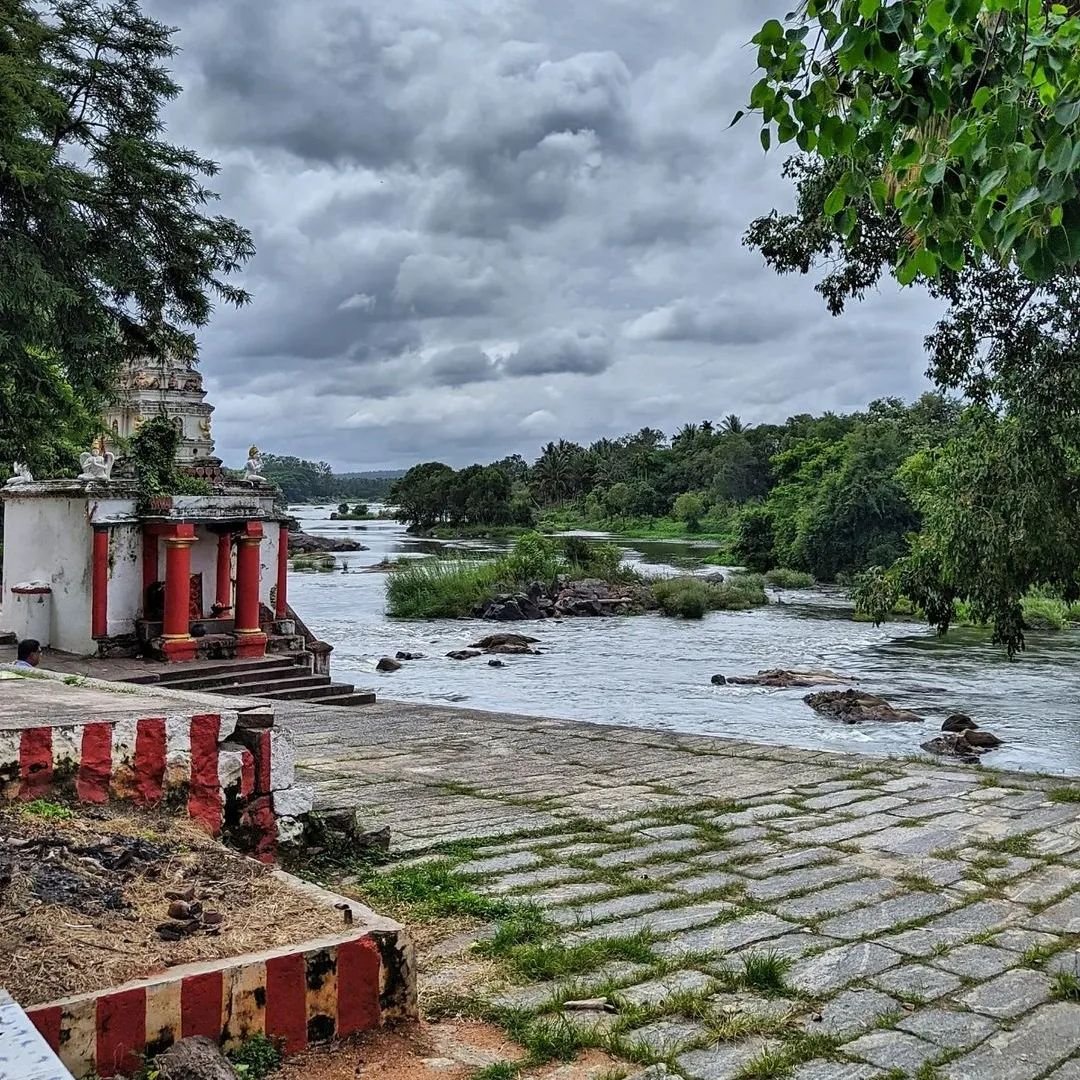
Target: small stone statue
x=22, y=475
x=253, y=468
x=98, y=464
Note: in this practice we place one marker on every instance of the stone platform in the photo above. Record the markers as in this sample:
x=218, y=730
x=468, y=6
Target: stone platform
x=923, y=920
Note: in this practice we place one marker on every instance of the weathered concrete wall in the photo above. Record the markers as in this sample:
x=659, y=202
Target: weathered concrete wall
x=50, y=540
x=268, y=556
x=125, y=578
x=204, y=561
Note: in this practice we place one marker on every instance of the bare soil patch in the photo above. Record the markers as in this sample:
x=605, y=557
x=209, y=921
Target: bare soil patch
x=452, y=1050
x=90, y=898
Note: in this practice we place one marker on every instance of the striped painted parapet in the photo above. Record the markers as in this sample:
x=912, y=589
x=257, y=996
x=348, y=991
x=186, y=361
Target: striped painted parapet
x=232, y=780
x=318, y=990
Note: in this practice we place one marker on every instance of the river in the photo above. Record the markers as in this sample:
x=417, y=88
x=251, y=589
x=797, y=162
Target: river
x=654, y=672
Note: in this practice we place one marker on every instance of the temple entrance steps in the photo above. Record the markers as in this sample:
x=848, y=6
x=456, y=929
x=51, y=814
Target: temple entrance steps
x=279, y=678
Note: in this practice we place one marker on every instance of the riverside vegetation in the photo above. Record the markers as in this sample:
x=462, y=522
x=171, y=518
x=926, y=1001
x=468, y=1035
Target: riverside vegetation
x=539, y=567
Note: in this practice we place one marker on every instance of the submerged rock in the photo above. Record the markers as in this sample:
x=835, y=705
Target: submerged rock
x=401, y=655
x=386, y=664
x=464, y=654
x=983, y=740
x=857, y=707
x=785, y=679
x=496, y=663
x=718, y=680
x=959, y=745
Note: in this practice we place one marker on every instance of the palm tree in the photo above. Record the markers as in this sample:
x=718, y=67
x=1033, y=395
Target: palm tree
x=732, y=425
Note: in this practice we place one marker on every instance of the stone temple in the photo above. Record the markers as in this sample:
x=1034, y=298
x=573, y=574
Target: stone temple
x=173, y=387
x=92, y=565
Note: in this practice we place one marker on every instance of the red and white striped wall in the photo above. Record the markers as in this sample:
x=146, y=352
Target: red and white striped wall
x=200, y=759
x=323, y=989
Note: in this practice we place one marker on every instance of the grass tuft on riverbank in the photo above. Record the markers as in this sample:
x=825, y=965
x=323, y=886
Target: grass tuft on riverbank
x=782, y=578
x=453, y=588
x=692, y=598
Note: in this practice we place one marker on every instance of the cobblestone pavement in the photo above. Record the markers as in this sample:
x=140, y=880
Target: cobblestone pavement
x=751, y=911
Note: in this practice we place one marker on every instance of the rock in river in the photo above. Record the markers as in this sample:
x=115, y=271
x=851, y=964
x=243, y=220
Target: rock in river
x=493, y=641
x=401, y=655
x=464, y=654
x=784, y=679
x=302, y=544
x=959, y=722
x=857, y=707
x=386, y=664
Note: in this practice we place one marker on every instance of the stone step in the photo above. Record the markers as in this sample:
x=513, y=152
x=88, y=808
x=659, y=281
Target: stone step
x=228, y=677
x=357, y=697
x=196, y=671
x=294, y=690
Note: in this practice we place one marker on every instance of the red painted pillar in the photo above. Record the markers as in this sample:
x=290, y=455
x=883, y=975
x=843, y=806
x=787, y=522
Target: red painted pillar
x=150, y=568
x=99, y=619
x=250, y=640
x=224, y=573
x=179, y=645
x=281, y=607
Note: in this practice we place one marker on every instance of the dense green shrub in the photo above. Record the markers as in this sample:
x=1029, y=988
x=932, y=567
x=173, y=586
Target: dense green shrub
x=784, y=578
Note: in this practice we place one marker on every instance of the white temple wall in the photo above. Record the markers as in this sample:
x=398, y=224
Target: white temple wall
x=50, y=540
x=204, y=561
x=268, y=556
x=125, y=578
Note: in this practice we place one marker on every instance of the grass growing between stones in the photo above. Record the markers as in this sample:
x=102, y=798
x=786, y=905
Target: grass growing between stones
x=501, y=1070
x=1066, y=986
x=776, y=1063
x=433, y=890
x=1064, y=794
x=764, y=971
x=543, y=959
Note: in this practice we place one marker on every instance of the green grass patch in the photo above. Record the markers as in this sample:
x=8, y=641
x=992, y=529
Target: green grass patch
x=434, y=890
x=764, y=971
x=540, y=958
x=783, y=578
x=501, y=1070
x=1064, y=794
x=1020, y=846
x=46, y=810
x=1066, y=986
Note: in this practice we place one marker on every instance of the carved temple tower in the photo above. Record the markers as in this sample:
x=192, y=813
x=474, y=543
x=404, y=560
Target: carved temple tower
x=167, y=387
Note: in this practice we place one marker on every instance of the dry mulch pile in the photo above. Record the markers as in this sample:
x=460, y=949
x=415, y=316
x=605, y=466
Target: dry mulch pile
x=91, y=898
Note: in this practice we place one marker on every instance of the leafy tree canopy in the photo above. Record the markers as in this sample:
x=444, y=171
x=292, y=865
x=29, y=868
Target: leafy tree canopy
x=959, y=116
x=106, y=249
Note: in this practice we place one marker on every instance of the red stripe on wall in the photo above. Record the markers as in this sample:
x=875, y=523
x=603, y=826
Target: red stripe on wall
x=95, y=764
x=358, y=968
x=121, y=1032
x=286, y=1001
x=35, y=762
x=150, y=744
x=204, y=796
x=47, y=1021
x=247, y=774
x=261, y=752
x=200, y=1005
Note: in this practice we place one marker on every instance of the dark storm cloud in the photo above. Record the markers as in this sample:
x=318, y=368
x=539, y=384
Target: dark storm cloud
x=482, y=224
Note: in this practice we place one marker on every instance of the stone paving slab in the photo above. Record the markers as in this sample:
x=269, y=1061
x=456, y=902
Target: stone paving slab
x=871, y=884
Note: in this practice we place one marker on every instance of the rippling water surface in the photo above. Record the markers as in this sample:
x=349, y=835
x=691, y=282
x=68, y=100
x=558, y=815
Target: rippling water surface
x=655, y=672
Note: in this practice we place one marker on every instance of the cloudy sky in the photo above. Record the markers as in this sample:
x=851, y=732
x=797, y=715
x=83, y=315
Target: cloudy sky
x=484, y=224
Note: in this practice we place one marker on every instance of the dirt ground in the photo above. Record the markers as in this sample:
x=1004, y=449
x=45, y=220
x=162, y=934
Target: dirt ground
x=84, y=891
x=450, y=1050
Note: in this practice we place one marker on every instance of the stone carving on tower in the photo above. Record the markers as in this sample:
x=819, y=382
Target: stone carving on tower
x=173, y=387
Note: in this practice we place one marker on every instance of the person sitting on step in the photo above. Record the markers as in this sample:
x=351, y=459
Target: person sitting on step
x=29, y=654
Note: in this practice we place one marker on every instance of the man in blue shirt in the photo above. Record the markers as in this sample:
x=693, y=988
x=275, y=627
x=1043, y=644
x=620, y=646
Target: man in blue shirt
x=29, y=654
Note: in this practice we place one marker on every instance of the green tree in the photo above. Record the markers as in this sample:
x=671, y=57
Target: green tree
x=960, y=116
x=689, y=508
x=755, y=544
x=106, y=251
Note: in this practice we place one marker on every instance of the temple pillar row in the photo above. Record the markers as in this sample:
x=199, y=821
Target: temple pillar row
x=178, y=643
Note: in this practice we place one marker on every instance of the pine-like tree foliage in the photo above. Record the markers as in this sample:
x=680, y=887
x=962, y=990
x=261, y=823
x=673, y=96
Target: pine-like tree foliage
x=107, y=251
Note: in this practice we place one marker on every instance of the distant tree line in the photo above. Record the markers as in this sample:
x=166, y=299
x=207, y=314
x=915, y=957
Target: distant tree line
x=829, y=494
x=315, y=481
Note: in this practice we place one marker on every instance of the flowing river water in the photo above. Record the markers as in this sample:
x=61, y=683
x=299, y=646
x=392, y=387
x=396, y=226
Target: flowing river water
x=654, y=672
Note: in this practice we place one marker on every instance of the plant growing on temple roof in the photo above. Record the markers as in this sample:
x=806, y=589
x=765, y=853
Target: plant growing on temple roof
x=152, y=453
x=106, y=253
